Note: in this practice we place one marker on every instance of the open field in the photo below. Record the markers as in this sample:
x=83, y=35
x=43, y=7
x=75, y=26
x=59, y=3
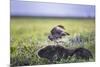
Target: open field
x=28, y=35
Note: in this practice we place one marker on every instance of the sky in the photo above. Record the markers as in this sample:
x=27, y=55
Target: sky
x=23, y=8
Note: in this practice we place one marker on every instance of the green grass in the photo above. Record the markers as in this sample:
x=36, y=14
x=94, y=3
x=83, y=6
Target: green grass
x=28, y=36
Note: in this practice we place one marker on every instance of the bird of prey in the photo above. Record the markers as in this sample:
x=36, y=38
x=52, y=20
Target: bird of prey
x=57, y=33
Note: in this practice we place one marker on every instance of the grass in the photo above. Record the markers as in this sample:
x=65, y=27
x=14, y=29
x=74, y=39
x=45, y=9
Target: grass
x=28, y=35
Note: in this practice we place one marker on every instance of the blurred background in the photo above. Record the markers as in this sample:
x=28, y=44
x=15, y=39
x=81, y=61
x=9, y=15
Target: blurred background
x=42, y=9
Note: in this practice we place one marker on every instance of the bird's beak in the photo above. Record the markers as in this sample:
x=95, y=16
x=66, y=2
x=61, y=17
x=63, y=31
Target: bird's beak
x=67, y=33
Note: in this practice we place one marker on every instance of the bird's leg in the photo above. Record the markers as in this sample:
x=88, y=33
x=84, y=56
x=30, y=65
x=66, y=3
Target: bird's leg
x=62, y=43
x=57, y=43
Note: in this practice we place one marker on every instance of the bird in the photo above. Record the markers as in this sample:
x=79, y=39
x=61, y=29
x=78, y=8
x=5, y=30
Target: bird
x=57, y=33
x=82, y=53
x=54, y=53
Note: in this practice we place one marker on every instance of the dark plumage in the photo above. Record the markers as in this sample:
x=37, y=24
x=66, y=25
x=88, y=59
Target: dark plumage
x=82, y=53
x=57, y=52
x=57, y=32
x=48, y=52
x=54, y=53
